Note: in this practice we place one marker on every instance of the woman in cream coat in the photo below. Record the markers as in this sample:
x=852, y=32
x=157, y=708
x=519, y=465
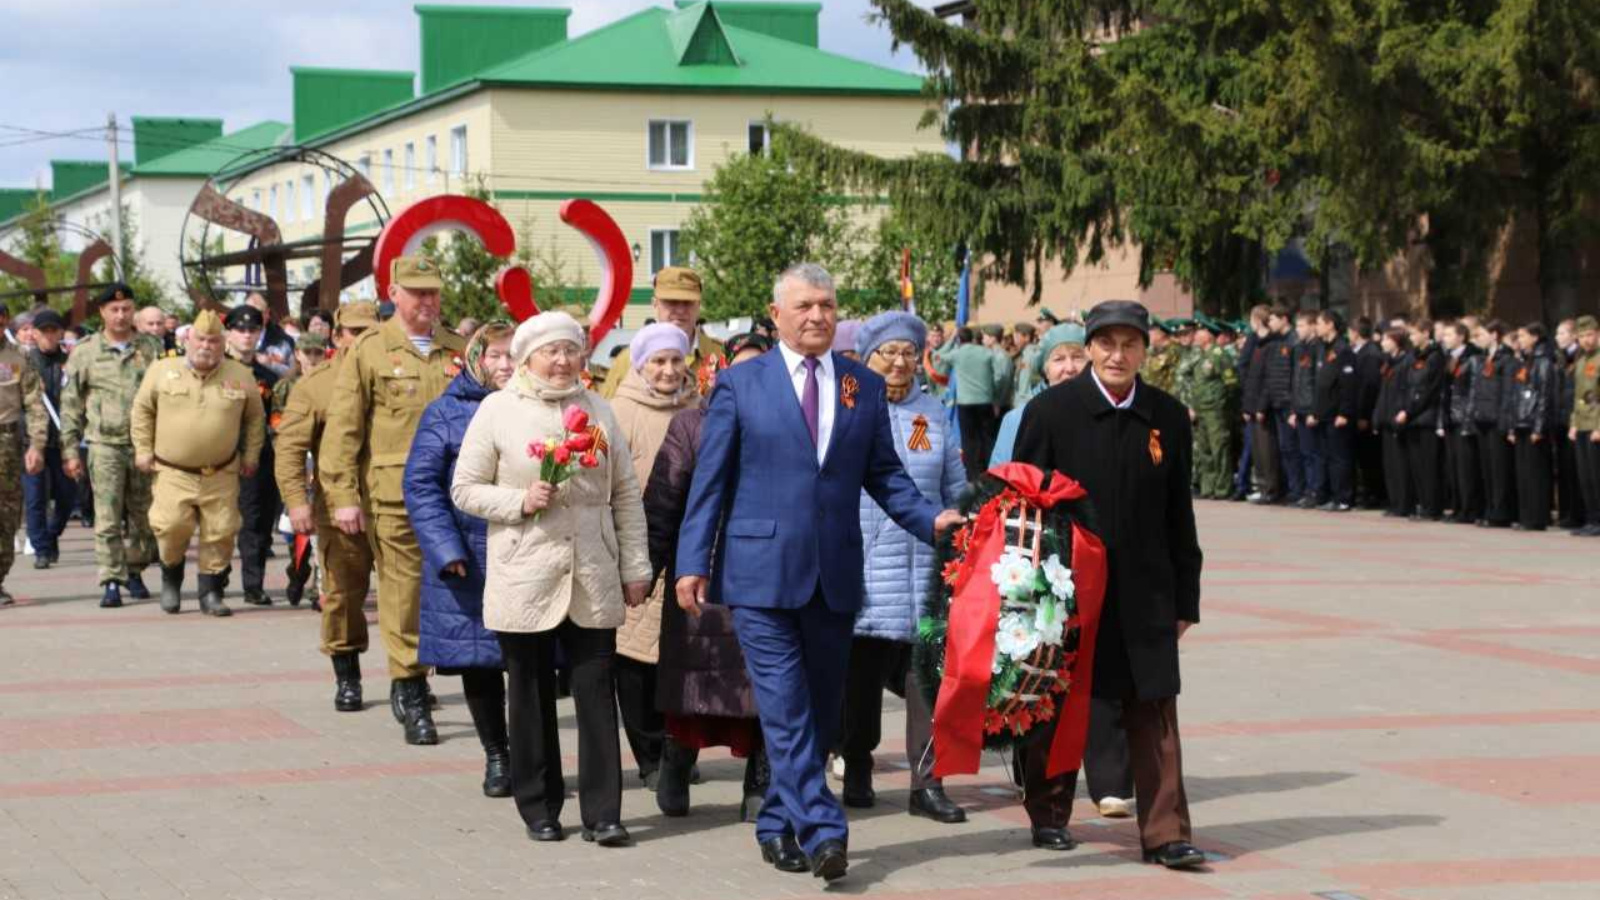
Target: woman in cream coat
x=563, y=562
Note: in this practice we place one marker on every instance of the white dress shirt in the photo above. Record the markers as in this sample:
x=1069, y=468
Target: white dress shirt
x=1127, y=402
x=827, y=392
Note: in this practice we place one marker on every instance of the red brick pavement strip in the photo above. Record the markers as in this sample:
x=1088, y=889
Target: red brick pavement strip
x=1154, y=886
x=160, y=682
x=156, y=728
x=1521, y=718
x=79, y=787
x=1478, y=872
x=1531, y=781
x=1543, y=659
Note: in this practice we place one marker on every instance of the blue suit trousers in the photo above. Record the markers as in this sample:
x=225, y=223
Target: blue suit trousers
x=797, y=660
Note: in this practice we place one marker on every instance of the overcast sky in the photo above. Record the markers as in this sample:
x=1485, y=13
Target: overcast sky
x=65, y=64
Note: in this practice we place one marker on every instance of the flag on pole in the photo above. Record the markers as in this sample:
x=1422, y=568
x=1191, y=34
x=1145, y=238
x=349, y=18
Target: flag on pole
x=964, y=293
x=908, y=293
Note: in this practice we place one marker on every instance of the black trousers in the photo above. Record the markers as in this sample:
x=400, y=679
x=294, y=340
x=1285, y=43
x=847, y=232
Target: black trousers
x=1396, y=474
x=1339, y=455
x=1370, y=487
x=1264, y=449
x=1468, y=471
x=1424, y=466
x=259, y=507
x=1498, y=458
x=1534, y=488
x=874, y=664
x=536, y=779
x=485, y=693
x=1569, y=496
x=1587, y=454
x=979, y=428
x=645, y=725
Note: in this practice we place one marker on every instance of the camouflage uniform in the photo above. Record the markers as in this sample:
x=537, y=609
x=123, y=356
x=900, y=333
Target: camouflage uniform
x=1206, y=384
x=1161, y=367
x=95, y=408
x=21, y=405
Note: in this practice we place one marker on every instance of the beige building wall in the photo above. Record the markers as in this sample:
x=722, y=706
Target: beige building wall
x=1114, y=278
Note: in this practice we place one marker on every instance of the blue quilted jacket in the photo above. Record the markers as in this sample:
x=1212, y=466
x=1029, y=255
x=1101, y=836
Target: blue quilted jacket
x=898, y=566
x=452, y=632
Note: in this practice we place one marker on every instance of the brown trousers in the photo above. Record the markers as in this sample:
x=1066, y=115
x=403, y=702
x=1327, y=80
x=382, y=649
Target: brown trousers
x=1156, y=757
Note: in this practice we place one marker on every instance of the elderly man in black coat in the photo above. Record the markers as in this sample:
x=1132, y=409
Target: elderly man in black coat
x=1130, y=446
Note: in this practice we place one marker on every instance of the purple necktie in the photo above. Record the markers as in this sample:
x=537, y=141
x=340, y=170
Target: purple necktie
x=809, y=400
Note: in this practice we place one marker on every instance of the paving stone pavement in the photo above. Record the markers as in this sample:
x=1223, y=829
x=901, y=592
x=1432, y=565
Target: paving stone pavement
x=1373, y=710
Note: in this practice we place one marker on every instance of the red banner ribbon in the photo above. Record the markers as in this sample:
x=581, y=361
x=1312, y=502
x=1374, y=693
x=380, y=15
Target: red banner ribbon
x=974, y=611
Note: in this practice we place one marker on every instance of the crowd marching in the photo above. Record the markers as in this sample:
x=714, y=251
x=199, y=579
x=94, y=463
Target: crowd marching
x=541, y=530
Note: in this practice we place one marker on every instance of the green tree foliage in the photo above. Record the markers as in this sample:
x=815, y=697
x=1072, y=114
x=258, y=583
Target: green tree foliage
x=1210, y=131
x=761, y=214
x=37, y=243
x=150, y=289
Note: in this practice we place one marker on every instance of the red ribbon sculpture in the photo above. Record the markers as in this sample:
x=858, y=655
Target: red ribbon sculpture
x=974, y=610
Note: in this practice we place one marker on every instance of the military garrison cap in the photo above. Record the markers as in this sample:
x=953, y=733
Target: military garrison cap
x=419, y=273
x=678, y=283
x=207, y=324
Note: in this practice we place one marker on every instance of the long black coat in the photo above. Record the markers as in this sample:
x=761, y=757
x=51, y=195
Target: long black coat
x=1143, y=512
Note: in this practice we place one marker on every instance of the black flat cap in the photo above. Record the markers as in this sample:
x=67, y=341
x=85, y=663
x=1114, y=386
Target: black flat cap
x=1111, y=313
x=243, y=316
x=48, y=318
x=114, y=291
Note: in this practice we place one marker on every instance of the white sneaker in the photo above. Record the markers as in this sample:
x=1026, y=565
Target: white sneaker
x=836, y=767
x=1115, y=808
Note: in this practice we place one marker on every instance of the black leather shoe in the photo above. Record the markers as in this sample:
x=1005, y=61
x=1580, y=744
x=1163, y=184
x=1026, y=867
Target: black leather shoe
x=858, y=792
x=40, y=561
x=171, y=588
x=933, y=803
x=5, y=598
x=257, y=597
x=347, y=682
x=112, y=597
x=497, y=772
x=784, y=854
x=607, y=834
x=830, y=862
x=546, y=831
x=1176, y=855
x=136, y=588
x=1053, y=839
x=673, y=779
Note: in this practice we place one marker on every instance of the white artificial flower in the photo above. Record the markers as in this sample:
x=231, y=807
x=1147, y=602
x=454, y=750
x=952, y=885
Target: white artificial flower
x=1013, y=575
x=1015, y=637
x=1049, y=620
x=1059, y=577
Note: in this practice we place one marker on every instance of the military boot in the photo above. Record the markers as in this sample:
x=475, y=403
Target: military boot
x=347, y=681
x=672, y=790
x=411, y=697
x=172, y=587
x=211, y=595
x=112, y=597
x=136, y=588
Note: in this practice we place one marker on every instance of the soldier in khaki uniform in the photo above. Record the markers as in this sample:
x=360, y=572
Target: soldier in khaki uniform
x=1584, y=427
x=103, y=374
x=346, y=559
x=199, y=426
x=388, y=378
x=21, y=401
x=676, y=300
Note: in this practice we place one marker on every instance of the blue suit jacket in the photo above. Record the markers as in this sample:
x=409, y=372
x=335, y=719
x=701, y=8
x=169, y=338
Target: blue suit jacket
x=778, y=523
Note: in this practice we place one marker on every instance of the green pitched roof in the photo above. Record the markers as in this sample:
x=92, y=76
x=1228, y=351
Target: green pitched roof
x=693, y=48
x=206, y=158
x=16, y=201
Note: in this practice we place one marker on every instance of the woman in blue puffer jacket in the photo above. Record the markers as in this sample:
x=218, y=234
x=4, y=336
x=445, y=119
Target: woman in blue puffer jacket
x=454, y=546
x=899, y=568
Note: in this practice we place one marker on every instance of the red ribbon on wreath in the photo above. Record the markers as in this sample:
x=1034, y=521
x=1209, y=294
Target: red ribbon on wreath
x=974, y=611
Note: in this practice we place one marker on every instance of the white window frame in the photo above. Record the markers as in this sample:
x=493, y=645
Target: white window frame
x=668, y=166
x=255, y=199
x=327, y=186
x=290, y=211
x=431, y=156
x=272, y=202
x=388, y=170
x=458, y=150
x=411, y=166
x=364, y=165
x=308, y=196
x=672, y=248
x=766, y=136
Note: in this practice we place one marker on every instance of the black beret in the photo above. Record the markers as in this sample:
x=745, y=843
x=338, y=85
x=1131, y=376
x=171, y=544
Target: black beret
x=243, y=316
x=114, y=291
x=1111, y=313
x=48, y=318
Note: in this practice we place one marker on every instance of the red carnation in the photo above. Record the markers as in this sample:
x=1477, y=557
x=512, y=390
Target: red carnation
x=580, y=443
x=561, y=455
x=589, y=460
x=575, y=419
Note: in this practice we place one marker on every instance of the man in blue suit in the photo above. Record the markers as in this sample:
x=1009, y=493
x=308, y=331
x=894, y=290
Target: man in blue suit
x=790, y=441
